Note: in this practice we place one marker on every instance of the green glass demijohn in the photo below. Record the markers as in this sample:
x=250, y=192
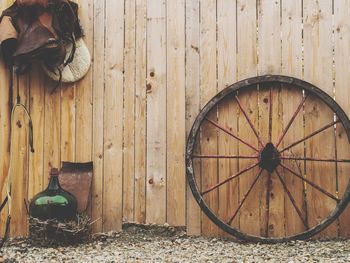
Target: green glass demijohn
x=54, y=202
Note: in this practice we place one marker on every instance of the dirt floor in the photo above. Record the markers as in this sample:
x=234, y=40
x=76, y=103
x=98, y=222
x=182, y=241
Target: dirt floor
x=149, y=243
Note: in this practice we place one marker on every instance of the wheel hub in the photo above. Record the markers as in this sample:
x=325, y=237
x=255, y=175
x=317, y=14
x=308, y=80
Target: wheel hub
x=269, y=157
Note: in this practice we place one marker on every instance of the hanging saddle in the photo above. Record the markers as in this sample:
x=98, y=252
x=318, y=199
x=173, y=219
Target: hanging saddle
x=43, y=30
x=39, y=30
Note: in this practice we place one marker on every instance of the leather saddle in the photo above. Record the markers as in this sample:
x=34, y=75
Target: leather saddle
x=39, y=30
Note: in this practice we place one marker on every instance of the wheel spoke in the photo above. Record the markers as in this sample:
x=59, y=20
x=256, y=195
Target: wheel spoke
x=268, y=191
x=291, y=121
x=270, y=116
x=230, y=133
x=229, y=179
x=311, y=183
x=292, y=200
x=245, y=197
x=224, y=156
x=315, y=159
x=310, y=135
x=249, y=121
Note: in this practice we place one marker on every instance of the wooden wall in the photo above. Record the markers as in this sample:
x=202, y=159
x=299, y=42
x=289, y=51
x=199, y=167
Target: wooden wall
x=155, y=64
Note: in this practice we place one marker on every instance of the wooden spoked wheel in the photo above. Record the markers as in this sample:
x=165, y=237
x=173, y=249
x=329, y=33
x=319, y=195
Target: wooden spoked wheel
x=268, y=160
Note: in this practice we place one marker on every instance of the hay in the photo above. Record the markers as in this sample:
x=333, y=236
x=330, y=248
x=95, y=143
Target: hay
x=55, y=233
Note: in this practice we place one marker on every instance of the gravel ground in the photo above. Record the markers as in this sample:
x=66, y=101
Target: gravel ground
x=140, y=243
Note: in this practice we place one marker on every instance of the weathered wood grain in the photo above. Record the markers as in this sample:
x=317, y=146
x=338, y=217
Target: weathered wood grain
x=227, y=111
x=140, y=112
x=318, y=56
x=247, y=67
x=129, y=111
x=113, y=117
x=269, y=41
x=156, y=112
x=98, y=115
x=154, y=65
x=193, y=214
x=292, y=66
x=342, y=77
x=175, y=124
x=208, y=86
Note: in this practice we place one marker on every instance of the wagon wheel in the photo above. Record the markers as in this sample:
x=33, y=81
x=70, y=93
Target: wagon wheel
x=261, y=155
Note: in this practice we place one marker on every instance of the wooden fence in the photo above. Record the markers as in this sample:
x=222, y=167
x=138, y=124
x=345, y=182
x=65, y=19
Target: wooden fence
x=155, y=64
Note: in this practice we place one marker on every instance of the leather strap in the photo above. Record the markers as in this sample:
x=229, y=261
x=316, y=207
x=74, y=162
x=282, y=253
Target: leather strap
x=3, y=203
x=8, y=198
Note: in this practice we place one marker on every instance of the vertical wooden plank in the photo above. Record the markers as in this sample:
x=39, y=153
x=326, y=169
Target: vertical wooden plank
x=193, y=218
x=20, y=163
x=318, y=56
x=291, y=38
x=247, y=67
x=83, y=106
x=292, y=66
x=272, y=217
x=129, y=112
x=140, y=112
x=36, y=160
x=208, y=86
x=113, y=117
x=269, y=21
x=176, y=134
x=227, y=46
x=227, y=111
x=52, y=128
x=342, y=80
x=246, y=39
x=68, y=122
x=156, y=112
x=98, y=113
x=4, y=130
